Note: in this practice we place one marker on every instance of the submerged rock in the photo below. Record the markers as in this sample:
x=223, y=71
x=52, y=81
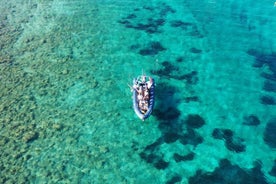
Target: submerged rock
x=161, y=164
x=30, y=136
x=195, y=50
x=268, y=100
x=179, y=158
x=174, y=179
x=191, y=137
x=273, y=170
x=251, y=120
x=153, y=48
x=195, y=121
x=270, y=133
x=170, y=137
x=170, y=114
x=232, y=143
x=227, y=173
x=235, y=144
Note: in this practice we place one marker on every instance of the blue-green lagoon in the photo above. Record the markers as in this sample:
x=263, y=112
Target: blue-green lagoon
x=66, y=109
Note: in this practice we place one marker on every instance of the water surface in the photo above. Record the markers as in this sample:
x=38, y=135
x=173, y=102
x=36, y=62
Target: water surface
x=66, y=112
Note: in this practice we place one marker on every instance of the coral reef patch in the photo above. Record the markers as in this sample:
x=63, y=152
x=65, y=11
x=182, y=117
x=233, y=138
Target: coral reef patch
x=152, y=48
x=270, y=133
x=268, y=100
x=169, y=71
x=188, y=27
x=264, y=59
x=174, y=179
x=173, y=130
x=229, y=173
x=148, y=19
x=273, y=170
x=232, y=142
x=178, y=158
x=194, y=121
x=251, y=120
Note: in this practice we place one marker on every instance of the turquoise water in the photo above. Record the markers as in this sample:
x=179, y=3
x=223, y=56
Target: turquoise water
x=66, y=108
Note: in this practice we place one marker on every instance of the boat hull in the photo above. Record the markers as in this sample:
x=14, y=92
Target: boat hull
x=136, y=108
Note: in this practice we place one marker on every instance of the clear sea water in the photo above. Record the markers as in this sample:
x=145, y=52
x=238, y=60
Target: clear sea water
x=66, y=110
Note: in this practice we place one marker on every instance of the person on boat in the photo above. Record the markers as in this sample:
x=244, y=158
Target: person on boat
x=146, y=106
x=143, y=105
x=136, y=85
x=146, y=94
x=149, y=83
x=143, y=78
x=140, y=93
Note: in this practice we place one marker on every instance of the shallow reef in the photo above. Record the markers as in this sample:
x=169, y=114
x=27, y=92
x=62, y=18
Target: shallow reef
x=174, y=179
x=268, y=100
x=251, y=120
x=266, y=59
x=172, y=131
x=141, y=19
x=269, y=133
x=232, y=142
x=273, y=169
x=152, y=48
x=229, y=173
x=169, y=71
x=65, y=111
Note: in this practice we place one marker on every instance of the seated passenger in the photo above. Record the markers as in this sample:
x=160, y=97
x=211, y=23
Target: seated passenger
x=143, y=105
x=140, y=93
x=149, y=83
x=143, y=78
x=146, y=95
